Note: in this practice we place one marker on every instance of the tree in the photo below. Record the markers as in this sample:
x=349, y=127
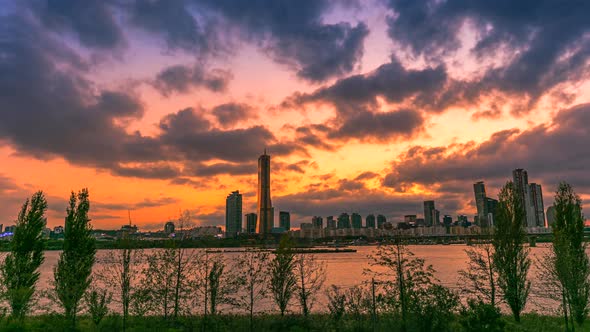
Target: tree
x=251, y=276
x=97, y=302
x=73, y=273
x=480, y=277
x=570, y=264
x=20, y=271
x=510, y=256
x=283, y=282
x=120, y=273
x=311, y=275
x=400, y=275
x=336, y=302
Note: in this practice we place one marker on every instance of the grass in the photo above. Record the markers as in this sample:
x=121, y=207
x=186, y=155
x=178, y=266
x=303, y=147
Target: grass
x=237, y=323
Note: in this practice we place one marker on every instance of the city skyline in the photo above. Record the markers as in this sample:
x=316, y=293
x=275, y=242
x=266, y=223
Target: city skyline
x=156, y=109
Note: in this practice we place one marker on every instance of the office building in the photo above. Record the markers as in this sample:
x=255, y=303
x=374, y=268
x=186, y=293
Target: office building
x=479, y=189
x=370, y=221
x=233, y=214
x=265, y=209
x=330, y=222
x=251, y=219
x=285, y=220
x=490, y=210
x=520, y=179
x=537, y=209
x=357, y=220
x=343, y=221
x=381, y=220
x=317, y=222
x=447, y=220
x=410, y=219
x=428, y=213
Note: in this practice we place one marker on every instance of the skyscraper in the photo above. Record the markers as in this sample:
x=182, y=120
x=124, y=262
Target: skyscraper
x=344, y=220
x=330, y=222
x=429, y=213
x=357, y=220
x=381, y=220
x=318, y=222
x=265, y=209
x=480, y=201
x=251, y=223
x=521, y=184
x=285, y=220
x=233, y=214
x=370, y=221
x=490, y=209
x=537, y=209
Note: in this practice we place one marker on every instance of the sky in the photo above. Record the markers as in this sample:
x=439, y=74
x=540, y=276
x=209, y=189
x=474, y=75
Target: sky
x=364, y=106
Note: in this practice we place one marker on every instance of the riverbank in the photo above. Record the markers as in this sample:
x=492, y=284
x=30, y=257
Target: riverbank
x=237, y=323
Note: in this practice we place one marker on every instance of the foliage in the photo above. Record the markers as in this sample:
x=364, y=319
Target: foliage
x=72, y=275
x=336, y=302
x=283, y=281
x=432, y=308
x=97, y=302
x=480, y=316
x=510, y=256
x=20, y=270
x=570, y=262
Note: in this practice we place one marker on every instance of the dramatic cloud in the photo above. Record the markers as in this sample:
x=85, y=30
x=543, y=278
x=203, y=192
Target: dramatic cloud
x=550, y=153
x=292, y=32
x=232, y=113
x=91, y=21
x=182, y=79
x=547, y=41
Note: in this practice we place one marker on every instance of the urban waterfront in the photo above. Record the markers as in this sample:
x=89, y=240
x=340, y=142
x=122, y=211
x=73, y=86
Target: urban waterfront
x=347, y=270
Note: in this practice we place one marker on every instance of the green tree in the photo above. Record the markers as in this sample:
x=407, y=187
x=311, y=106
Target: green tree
x=480, y=277
x=570, y=261
x=311, y=275
x=510, y=255
x=73, y=273
x=20, y=271
x=251, y=278
x=283, y=282
x=97, y=302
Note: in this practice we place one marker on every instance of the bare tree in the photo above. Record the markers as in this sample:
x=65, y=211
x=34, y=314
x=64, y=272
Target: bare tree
x=283, y=281
x=120, y=273
x=311, y=275
x=251, y=275
x=480, y=277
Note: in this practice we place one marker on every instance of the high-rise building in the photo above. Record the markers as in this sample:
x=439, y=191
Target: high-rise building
x=251, y=219
x=318, y=222
x=233, y=214
x=447, y=220
x=435, y=217
x=490, y=209
x=285, y=220
x=428, y=213
x=330, y=222
x=537, y=210
x=169, y=227
x=381, y=220
x=479, y=189
x=357, y=220
x=343, y=221
x=520, y=178
x=265, y=209
x=550, y=215
x=370, y=221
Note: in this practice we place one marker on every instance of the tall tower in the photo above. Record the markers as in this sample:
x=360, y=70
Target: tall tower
x=521, y=184
x=233, y=214
x=265, y=209
x=479, y=189
x=429, y=213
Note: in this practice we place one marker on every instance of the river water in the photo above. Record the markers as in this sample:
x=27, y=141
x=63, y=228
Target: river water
x=346, y=269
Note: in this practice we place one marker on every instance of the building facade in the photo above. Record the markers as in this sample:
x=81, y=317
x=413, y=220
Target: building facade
x=251, y=219
x=370, y=221
x=357, y=220
x=343, y=221
x=285, y=220
x=537, y=209
x=233, y=214
x=428, y=213
x=317, y=221
x=265, y=209
x=381, y=220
